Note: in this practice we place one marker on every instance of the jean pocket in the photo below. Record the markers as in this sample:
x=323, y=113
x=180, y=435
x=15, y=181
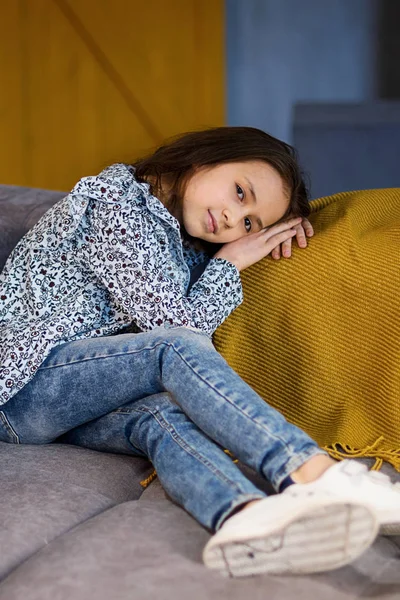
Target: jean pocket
x=7, y=432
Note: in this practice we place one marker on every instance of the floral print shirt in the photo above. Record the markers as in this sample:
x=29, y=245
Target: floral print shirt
x=106, y=257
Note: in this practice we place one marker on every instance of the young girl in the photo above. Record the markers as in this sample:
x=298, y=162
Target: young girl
x=107, y=310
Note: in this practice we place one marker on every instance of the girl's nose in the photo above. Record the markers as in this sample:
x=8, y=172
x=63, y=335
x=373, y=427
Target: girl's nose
x=231, y=217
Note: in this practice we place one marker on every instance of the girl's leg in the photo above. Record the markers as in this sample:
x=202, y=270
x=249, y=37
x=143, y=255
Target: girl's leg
x=200, y=477
x=85, y=379
x=195, y=471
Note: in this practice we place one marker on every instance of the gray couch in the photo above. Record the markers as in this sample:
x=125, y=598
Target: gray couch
x=76, y=524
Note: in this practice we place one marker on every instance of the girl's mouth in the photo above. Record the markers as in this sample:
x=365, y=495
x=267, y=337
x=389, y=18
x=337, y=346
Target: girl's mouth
x=212, y=224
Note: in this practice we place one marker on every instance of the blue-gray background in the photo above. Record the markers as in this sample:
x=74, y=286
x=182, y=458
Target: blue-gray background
x=321, y=74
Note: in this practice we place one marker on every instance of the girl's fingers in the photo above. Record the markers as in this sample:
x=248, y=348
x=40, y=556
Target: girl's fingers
x=279, y=238
x=301, y=236
x=287, y=248
x=308, y=228
x=269, y=232
x=276, y=253
x=302, y=229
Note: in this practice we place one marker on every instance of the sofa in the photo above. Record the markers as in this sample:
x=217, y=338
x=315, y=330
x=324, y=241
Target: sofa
x=77, y=524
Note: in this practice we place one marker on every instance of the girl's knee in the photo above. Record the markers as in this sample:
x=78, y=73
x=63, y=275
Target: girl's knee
x=188, y=336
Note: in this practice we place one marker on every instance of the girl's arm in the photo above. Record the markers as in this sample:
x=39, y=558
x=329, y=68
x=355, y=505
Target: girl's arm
x=126, y=255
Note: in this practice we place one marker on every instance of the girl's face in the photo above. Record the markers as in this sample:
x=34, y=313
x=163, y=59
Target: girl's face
x=226, y=202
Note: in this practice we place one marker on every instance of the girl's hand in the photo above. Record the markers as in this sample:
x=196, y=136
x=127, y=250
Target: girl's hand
x=303, y=231
x=253, y=247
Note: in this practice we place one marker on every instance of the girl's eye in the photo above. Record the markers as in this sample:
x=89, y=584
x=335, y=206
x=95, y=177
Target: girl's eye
x=240, y=192
x=247, y=224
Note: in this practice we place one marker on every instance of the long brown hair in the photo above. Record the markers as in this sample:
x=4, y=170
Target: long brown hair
x=178, y=158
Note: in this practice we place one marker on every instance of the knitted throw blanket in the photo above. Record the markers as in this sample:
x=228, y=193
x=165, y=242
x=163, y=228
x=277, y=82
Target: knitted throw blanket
x=318, y=335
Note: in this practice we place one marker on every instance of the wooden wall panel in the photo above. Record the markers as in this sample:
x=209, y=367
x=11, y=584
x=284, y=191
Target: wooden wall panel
x=12, y=116
x=96, y=81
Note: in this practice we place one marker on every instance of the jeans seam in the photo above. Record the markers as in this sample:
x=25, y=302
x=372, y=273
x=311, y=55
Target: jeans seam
x=259, y=425
x=128, y=352
x=8, y=427
x=98, y=357
x=185, y=446
x=171, y=345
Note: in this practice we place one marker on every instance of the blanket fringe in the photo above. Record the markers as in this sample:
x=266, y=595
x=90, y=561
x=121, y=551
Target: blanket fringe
x=375, y=450
x=229, y=453
x=146, y=482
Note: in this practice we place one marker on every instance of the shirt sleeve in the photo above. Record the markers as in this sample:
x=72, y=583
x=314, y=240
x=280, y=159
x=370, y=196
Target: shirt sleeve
x=153, y=300
x=129, y=260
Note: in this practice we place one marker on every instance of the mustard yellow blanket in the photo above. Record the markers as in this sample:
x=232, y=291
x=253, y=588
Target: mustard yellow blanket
x=318, y=335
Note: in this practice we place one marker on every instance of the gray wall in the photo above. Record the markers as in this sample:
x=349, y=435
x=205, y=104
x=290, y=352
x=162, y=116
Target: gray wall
x=280, y=52
x=348, y=146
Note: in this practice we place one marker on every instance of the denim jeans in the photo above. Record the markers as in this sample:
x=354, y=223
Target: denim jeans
x=167, y=395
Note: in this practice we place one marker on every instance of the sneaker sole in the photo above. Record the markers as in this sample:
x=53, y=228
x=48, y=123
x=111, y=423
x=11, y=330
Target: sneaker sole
x=328, y=538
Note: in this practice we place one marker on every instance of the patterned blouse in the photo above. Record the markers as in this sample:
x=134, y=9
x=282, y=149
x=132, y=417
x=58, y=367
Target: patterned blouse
x=106, y=257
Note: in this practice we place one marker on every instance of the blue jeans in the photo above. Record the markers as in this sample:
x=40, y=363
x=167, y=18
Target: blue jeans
x=167, y=395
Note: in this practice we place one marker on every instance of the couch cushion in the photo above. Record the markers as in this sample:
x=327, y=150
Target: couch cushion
x=152, y=549
x=47, y=490
x=20, y=209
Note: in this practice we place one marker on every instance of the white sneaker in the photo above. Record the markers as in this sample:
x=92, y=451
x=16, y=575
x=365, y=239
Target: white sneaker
x=350, y=480
x=280, y=534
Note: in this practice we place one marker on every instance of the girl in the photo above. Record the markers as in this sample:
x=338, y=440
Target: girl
x=107, y=310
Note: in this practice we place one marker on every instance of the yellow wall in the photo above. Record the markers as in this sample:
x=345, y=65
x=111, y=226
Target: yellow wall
x=85, y=83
